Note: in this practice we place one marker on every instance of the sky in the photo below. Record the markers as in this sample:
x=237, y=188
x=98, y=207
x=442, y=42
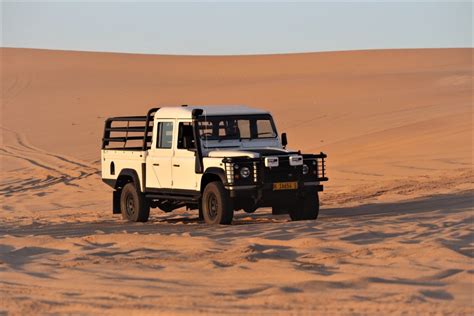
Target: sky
x=229, y=28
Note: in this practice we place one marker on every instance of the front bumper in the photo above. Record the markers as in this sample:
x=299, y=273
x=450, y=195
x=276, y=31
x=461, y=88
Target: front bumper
x=269, y=186
x=264, y=195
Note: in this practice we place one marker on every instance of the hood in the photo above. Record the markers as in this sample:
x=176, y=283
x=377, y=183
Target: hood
x=249, y=152
x=233, y=153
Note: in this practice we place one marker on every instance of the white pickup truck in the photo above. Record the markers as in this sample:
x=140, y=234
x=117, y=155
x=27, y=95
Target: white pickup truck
x=216, y=160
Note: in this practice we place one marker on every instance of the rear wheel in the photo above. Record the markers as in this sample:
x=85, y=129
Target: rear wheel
x=216, y=204
x=133, y=204
x=307, y=208
x=278, y=210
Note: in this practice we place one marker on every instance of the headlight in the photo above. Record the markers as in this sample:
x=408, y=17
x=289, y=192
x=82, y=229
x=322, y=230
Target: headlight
x=245, y=172
x=305, y=169
x=296, y=160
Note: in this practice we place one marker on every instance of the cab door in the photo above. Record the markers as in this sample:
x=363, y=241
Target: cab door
x=184, y=159
x=159, y=158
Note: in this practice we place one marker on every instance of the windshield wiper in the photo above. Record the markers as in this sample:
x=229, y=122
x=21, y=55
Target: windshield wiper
x=226, y=138
x=249, y=138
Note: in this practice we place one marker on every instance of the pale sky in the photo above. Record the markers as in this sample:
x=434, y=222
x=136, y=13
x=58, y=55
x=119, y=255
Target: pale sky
x=210, y=28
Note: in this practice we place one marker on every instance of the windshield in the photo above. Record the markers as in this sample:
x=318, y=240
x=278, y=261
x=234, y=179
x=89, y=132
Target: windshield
x=237, y=127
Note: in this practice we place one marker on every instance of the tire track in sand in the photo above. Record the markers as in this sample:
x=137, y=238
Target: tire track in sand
x=52, y=168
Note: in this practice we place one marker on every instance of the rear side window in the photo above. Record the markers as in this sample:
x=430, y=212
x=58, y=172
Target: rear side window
x=165, y=135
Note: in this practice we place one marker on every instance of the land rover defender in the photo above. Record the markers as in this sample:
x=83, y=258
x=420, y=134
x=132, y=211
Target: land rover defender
x=215, y=160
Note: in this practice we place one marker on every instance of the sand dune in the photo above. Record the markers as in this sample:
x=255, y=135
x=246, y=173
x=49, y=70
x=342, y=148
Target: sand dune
x=411, y=257
x=394, y=236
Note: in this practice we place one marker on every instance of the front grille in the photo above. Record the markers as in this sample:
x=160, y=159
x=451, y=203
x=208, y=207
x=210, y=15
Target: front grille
x=283, y=173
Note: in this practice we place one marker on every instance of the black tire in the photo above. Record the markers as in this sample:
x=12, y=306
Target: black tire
x=201, y=214
x=133, y=204
x=278, y=210
x=308, y=208
x=216, y=204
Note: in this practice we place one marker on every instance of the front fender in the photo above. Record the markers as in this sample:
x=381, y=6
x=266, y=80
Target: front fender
x=217, y=172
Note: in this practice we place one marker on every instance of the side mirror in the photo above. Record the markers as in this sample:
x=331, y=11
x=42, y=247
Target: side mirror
x=284, y=140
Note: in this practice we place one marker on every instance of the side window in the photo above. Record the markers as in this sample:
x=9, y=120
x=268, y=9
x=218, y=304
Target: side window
x=244, y=128
x=185, y=136
x=165, y=135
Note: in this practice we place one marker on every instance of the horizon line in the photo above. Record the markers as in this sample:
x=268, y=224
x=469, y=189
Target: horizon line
x=233, y=55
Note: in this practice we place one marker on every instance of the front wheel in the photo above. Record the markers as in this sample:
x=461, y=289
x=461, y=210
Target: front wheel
x=133, y=205
x=216, y=204
x=308, y=208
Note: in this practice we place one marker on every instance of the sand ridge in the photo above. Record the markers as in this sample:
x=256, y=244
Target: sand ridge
x=395, y=231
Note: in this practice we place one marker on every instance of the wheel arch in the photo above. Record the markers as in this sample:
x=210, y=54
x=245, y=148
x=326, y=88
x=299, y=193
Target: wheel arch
x=126, y=176
x=212, y=174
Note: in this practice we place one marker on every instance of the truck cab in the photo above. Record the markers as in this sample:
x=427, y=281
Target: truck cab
x=216, y=160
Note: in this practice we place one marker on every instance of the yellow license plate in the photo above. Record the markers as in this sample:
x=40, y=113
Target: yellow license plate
x=285, y=186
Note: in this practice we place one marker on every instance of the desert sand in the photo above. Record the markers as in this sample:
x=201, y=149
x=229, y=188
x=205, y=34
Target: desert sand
x=395, y=232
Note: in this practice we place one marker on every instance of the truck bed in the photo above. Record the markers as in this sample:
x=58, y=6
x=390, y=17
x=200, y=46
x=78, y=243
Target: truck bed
x=113, y=161
x=125, y=144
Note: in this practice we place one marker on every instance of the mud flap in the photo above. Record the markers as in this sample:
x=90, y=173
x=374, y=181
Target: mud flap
x=116, y=202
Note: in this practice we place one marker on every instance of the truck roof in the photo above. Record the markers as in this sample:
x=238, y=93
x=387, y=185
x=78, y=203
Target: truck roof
x=186, y=111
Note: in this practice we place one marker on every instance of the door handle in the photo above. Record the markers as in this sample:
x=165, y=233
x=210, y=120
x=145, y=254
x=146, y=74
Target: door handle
x=175, y=165
x=156, y=164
